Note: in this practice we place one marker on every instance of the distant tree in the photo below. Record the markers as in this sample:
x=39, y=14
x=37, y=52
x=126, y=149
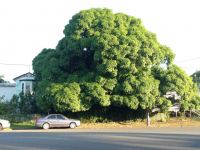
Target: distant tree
x=196, y=78
x=14, y=104
x=1, y=79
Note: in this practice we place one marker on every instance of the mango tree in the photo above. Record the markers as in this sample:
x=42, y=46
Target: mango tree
x=103, y=59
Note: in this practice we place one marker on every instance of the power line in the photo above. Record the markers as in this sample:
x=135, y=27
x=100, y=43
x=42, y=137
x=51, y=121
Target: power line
x=25, y=65
x=14, y=64
x=186, y=60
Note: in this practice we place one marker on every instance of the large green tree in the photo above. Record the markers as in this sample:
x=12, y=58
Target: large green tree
x=103, y=59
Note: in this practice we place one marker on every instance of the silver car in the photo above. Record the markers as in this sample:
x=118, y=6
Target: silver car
x=57, y=120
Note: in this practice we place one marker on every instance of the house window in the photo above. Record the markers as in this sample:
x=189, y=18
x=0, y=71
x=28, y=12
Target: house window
x=22, y=87
x=28, y=87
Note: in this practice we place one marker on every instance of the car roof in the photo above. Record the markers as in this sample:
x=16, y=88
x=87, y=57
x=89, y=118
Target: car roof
x=54, y=114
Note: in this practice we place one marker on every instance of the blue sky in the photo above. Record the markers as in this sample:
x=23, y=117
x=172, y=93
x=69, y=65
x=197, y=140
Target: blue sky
x=28, y=26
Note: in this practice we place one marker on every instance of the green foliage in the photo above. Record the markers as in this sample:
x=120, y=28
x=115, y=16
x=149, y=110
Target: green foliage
x=148, y=91
x=4, y=106
x=24, y=104
x=96, y=94
x=162, y=117
x=67, y=97
x=175, y=79
x=107, y=59
x=27, y=103
x=14, y=104
x=196, y=79
x=128, y=101
x=44, y=101
x=164, y=104
x=195, y=102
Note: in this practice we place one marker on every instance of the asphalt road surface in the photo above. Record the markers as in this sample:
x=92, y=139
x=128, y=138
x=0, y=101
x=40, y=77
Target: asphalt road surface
x=102, y=139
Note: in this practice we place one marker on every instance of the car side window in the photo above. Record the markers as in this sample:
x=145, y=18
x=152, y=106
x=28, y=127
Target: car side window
x=52, y=117
x=60, y=117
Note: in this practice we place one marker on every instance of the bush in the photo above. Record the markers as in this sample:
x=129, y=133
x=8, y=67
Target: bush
x=16, y=118
x=162, y=117
x=4, y=106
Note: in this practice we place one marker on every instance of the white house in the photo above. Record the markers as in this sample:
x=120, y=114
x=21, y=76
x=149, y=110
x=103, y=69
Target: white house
x=23, y=83
x=7, y=90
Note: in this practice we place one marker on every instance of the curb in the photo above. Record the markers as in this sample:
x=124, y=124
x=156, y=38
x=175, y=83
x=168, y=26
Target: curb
x=7, y=129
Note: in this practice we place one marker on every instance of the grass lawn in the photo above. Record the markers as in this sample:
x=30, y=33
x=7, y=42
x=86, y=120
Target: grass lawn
x=23, y=125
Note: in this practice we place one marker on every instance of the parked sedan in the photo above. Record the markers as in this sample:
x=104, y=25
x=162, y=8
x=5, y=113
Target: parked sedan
x=57, y=120
x=4, y=124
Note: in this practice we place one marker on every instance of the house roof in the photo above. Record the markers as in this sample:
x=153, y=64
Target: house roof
x=7, y=84
x=28, y=74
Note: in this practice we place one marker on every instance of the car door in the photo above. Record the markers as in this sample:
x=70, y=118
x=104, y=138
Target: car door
x=52, y=120
x=62, y=121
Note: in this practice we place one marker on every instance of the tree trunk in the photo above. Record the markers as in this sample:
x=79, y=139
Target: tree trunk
x=148, y=118
x=190, y=113
x=176, y=113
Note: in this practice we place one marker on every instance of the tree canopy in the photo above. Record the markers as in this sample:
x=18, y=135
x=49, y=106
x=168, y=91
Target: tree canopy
x=107, y=59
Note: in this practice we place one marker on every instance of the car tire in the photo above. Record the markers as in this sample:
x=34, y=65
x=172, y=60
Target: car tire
x=72, y=125
x=1, y=127
x=46, y=126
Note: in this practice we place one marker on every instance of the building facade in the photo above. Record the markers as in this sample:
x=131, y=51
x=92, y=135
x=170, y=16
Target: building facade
x=7, y=90
x=23, y=83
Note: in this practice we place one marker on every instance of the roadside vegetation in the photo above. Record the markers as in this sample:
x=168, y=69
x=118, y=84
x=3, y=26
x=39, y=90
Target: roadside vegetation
x=136, y=123
x=23, y=125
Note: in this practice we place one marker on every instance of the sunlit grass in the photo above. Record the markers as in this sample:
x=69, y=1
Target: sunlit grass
x=23, y=125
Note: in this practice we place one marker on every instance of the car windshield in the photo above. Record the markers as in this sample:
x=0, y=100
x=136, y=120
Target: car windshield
x=56, y=116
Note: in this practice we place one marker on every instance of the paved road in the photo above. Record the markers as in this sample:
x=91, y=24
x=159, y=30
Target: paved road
x=102, y=139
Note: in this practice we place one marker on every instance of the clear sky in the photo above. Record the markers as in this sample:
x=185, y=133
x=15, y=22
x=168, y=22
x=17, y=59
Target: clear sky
x=28, y=26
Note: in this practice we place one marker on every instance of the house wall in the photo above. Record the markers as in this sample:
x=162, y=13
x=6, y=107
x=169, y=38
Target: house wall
x=18, y=87
x=24, y=83
x=7, y=91
x=22, y=86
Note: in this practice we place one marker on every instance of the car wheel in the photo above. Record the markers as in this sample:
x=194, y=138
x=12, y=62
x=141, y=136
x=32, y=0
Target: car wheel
x=1, y=127
x=46, y=126
x=72, y=125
